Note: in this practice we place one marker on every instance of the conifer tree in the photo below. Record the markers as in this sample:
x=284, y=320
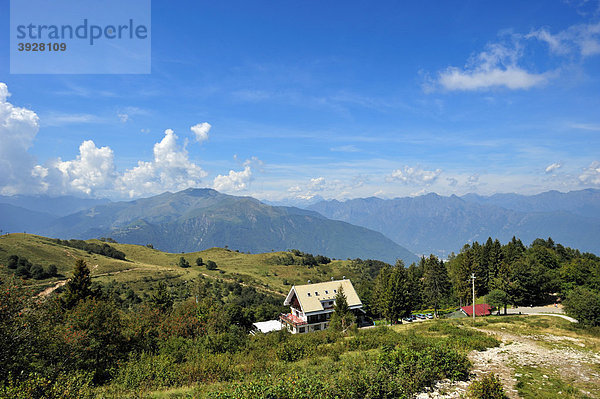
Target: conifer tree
x=342, y=317
x=435, y=282
x=79, y=287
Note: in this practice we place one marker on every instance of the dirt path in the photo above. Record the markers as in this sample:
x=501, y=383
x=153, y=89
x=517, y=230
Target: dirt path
x=566, y=357
x=50, y=290
x=548, y=351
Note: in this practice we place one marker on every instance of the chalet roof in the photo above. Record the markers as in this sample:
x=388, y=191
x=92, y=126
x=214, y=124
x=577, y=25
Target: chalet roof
x=482, y=309
x=310, y=296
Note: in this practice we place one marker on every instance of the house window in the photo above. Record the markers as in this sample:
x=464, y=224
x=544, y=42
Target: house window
x=335, y=291
x=326, y=292
x=317, y=327
x=316, y=293
x=309, y=294
x=302, y=329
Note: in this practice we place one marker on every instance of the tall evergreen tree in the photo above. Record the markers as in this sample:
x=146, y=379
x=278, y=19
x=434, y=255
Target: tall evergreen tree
x=79, y=287
x=436, y=283
x=342, y=317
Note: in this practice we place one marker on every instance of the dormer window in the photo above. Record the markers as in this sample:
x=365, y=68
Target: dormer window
x=308, y=293
x=316, y=293
x=335, y=291
x=326, y=292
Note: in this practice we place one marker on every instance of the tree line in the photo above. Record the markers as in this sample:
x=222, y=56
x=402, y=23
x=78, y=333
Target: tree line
x=510, y=274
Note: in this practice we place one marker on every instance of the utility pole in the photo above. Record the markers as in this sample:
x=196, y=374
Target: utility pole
x=473, y=278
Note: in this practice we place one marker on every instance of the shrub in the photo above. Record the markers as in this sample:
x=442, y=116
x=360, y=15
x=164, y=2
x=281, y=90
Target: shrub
x=488, y=387
x=183, y=263
x=210, y=265
x=583, y=304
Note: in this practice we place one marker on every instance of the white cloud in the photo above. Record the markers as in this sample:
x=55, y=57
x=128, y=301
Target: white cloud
x=18, y=128
x=90, y=173
x=583, y=39
x=495, y=67
x=345, y=148
x=123, y=117
x=234, y=181
x=170, y=170
x=317, y=184
x=452, y=182
x=473, y=180
x=591, y=174
x=55, y=119
x=586, y=126
x=553, y=167
x=414, y=175
x=201, y=131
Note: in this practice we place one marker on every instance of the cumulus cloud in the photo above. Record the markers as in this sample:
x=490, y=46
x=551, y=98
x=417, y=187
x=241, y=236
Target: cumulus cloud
x=553, y=167
x=171, y=169
x=18, y=128
x=317, y=184
x=93, y=171
x=414, y=175
x=591, y=174
x=234, y=181
x=90, y=173
x=201, y=131
x=495, y=67
x=473, y=180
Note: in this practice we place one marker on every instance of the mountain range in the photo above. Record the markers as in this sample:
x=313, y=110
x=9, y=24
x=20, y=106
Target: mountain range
x=438, y=224
x=198, y=219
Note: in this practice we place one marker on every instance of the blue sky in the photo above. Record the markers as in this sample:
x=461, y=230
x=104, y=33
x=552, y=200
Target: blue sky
x=337, y=99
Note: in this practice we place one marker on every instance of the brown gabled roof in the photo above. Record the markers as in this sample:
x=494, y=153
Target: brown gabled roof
x=311, y=295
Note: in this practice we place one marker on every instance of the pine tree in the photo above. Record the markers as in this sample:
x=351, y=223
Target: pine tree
x=79, y=286
x=436, y=283
x=342, y=317
x=162, y=300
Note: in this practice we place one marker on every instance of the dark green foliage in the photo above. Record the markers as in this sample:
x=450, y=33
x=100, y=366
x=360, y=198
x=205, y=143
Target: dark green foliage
x=584, y=304
x=79, y=287
x=527, y=275
x=25, y=269
x=199, y=262
x=498, y=299
x=92, y=247
x=297, y=257
x=211, y=265
x=183, y=262
x=487, y=387
x=37, y=272
x=393, y=296
x=52, y=271
x=436, y=284
x=342, y=317
x=13, y=261
x=162, y=300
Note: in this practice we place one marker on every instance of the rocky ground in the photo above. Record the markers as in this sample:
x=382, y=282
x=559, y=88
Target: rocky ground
x=549, y=356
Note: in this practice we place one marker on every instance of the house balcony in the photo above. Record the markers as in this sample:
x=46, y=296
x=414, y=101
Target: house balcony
x=291, y=319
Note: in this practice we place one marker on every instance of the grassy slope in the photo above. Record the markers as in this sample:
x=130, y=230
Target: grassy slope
x=144, y=266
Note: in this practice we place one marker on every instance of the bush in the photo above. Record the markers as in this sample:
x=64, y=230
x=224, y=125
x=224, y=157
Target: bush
x=488, y=387
x=583, y=304
x=183, y=263
x=210, y=265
